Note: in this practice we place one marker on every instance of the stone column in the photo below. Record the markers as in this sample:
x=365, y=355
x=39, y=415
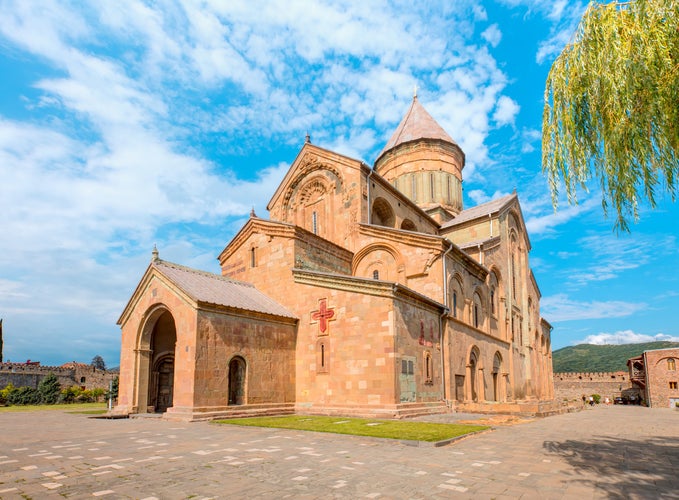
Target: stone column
x=141, y=383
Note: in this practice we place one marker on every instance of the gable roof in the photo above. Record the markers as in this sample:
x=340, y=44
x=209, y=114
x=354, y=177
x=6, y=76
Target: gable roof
x=416, y=124
x=212, y=289
x=484, y=209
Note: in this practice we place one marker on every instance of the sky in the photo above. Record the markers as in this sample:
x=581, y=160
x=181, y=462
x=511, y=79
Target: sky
x=127, y=124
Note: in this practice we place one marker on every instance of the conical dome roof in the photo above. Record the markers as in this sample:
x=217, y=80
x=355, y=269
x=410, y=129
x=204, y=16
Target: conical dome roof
x=416, y=124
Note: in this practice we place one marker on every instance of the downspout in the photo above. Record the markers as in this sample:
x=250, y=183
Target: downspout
x=369, y=208
x=445, y=312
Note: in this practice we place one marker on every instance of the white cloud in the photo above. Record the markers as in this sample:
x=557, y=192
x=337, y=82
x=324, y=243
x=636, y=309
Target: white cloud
x=541, y=223
x=506, y=111
x=624, y=337
x=560, y=307
x=492, y=35
x=611, y=255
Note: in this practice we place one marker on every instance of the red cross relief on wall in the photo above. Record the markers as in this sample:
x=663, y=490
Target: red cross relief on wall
x=322, y=315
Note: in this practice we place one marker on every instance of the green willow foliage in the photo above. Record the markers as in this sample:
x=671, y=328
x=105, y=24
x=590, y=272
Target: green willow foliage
x=612, y=106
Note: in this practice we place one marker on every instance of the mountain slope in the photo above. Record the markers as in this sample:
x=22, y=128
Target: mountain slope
x=601, y=358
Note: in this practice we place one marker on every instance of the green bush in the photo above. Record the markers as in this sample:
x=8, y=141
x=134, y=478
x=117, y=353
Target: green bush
x=4, y=393
x=70, y=394
x=24, y=396
x=597, y=398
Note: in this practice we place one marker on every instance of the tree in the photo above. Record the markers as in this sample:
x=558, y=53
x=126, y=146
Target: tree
x=612, y=106
x=49, y=389
x=98, y=363
x=113, y=392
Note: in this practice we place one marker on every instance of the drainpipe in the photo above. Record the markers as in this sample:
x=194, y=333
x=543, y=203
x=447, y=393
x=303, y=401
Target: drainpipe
x=369, y=208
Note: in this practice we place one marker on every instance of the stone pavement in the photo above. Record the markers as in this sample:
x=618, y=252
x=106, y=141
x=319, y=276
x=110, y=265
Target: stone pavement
x=601, y=452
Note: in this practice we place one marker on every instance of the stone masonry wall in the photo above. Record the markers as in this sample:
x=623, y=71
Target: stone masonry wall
x=20, y=375
x=572, y=386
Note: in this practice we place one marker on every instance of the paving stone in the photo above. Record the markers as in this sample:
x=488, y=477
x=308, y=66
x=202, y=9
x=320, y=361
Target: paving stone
x=625, y=452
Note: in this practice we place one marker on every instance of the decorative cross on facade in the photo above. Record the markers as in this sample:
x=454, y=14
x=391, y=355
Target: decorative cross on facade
x=322, y=315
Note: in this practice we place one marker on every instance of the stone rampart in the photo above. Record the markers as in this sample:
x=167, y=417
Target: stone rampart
x=30, y=375
x=572, y=386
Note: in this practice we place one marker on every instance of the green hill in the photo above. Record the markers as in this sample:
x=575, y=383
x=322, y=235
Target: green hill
x=601, y=358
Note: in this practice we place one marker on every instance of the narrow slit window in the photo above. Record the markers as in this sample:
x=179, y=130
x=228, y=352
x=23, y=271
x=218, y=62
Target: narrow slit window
x=253, y=257
x=376, y=274
x=314, y=222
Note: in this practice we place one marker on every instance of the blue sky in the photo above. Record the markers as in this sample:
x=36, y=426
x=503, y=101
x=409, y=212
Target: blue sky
x=127, y=124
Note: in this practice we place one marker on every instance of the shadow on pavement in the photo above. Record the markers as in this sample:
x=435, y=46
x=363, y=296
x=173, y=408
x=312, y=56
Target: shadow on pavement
x=624, y=468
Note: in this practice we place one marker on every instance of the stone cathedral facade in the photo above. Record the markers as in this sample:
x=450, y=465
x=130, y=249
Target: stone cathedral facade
x=368, y=291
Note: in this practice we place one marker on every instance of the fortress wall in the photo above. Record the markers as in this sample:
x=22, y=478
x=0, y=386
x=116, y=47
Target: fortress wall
x=572, y=386
x=22, y=374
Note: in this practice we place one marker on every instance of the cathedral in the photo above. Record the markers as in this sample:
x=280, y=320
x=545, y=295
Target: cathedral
x=368, y=291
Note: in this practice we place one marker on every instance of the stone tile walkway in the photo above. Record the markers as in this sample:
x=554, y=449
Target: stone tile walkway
x=604, y=452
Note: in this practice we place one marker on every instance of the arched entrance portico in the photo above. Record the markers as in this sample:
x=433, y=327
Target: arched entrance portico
x=155, y=362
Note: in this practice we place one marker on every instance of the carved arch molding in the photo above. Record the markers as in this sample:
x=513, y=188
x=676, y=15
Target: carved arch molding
x=327, y=177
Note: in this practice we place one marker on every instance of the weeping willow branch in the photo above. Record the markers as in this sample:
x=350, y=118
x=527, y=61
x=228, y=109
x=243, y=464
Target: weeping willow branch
x=612, y=107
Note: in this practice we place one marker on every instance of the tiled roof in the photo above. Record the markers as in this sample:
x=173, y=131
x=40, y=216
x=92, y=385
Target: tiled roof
x=480, y=210
x=212, y=288
x=416, y=124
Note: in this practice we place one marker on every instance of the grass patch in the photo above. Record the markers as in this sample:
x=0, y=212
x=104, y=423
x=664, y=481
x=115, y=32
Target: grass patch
x=389, y=429
x=70, y=407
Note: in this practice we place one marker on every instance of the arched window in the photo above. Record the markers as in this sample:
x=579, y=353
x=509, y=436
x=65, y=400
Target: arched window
x=376, y=274
x=671, y=364
x=253, y=257
x=477, y=312
x=428, y=369
x=456, y=298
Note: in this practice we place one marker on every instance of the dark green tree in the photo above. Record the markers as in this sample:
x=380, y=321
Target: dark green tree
x=49, y=389
x=98, y=363
x=113, y=393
